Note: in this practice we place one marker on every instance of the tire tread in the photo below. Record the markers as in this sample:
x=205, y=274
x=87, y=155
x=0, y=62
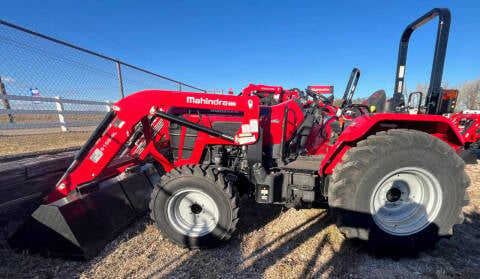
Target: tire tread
x=345, y=175
x=215, y=178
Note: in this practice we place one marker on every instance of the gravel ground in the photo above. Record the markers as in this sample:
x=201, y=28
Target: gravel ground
x=271, y=242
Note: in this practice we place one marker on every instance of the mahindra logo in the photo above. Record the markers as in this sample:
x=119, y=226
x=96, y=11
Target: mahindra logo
x=207, y=101
x=321, y=89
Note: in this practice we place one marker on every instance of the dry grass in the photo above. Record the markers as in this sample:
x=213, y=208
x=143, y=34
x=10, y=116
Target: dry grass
x=11, y=145
x=47, y=118
x=33, y=140
x=271, y=243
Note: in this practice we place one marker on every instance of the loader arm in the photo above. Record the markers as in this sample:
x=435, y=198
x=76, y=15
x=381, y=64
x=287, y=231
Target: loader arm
x=138, y=127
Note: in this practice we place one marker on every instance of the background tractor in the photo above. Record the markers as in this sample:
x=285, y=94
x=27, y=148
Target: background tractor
x=271, y=95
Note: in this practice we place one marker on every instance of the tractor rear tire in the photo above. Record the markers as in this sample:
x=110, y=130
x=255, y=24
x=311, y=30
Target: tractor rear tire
x=195, y=207
x=399, y=190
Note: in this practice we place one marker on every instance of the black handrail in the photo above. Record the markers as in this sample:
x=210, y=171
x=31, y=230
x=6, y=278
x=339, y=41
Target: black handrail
x=410, y=97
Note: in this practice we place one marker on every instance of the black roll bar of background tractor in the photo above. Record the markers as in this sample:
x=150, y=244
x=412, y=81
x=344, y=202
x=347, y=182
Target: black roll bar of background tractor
x=433, y=97
x=351, y=86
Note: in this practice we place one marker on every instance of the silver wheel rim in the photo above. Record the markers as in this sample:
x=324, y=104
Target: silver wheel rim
x=192, y=212
x=406, y=201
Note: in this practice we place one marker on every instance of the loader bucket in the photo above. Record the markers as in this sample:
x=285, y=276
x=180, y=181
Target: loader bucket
x=81, y=224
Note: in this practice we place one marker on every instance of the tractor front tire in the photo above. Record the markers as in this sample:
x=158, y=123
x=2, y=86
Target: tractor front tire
x=195, y=207
x=399, y=190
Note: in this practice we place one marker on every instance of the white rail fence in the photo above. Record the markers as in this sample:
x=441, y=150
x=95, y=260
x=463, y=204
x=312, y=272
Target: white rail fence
x=15, y=105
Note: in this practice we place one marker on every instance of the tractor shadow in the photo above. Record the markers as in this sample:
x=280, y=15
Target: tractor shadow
x=244, y=261
x=264, y=246
x=313, y=248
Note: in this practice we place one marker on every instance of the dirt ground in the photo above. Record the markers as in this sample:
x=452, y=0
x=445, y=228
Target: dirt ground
x=271, y=243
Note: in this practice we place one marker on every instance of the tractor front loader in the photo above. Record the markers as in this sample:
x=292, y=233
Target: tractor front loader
x=392, y=179
x=110, y=180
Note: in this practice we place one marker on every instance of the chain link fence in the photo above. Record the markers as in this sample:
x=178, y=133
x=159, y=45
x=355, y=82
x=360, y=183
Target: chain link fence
x=54, y=93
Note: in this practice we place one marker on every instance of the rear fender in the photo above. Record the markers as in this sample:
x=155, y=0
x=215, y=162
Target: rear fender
x=436, y=125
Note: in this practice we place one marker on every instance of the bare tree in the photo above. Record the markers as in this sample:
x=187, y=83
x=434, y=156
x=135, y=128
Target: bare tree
x=405, y=91
x=337, y=102
x=423, y=87
x=359, y=100
x=420, y=87
x=469, y=94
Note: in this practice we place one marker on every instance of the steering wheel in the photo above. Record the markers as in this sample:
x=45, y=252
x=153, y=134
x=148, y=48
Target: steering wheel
x=359, y=107
x=315, y=96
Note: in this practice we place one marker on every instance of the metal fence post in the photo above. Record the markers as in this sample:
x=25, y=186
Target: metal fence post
x=5, y=103
x=179, y=87
x=120, y=80
x=61, y=117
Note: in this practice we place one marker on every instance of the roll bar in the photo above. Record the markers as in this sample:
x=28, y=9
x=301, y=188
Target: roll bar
x=433, y=97
x=351, y=86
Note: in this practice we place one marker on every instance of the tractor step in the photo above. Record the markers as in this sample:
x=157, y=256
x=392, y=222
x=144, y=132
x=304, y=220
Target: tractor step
x=81, y=224
x=305, y=164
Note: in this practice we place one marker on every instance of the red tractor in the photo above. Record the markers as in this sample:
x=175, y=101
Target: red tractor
x=269, y=95
x=317, y=93
x=272, y=95
x=392, y=179
x=323, y=96
x=468, y=124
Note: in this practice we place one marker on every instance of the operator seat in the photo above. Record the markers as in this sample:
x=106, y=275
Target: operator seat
x=299, y=139
x=297, y=136
x=377, y=99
